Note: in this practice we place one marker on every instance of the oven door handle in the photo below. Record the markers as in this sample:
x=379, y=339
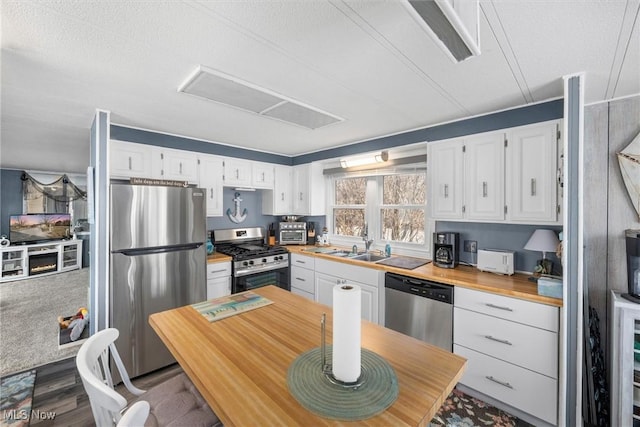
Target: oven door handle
x=260, y=269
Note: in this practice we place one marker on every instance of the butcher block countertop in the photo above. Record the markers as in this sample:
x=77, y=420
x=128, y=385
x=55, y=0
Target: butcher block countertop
x=240, y=364
x=517, y=285
x=217, y=257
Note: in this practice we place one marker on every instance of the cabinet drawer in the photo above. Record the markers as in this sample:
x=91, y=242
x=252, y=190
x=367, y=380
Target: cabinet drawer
x=532, y=348
x=517, y=310
x=218, y=269
x=302, y=278
x=303, y=261
x=521, y=388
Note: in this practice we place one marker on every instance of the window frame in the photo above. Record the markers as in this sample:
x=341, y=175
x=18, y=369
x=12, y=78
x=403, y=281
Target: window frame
x=373, y=215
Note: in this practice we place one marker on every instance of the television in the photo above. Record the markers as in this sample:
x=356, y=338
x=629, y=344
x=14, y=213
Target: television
x=35, y=228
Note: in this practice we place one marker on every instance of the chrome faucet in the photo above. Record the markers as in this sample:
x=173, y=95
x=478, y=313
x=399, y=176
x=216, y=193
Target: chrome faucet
x=365, y=237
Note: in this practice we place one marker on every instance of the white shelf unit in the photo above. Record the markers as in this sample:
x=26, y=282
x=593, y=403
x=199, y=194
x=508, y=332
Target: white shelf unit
x=56, y=256
x=625, y=361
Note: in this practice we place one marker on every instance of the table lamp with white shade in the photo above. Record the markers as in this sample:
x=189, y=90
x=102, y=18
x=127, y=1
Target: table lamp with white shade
x=543, y=241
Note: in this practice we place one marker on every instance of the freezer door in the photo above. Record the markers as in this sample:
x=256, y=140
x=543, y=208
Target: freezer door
x=150, y=216
x=146, y=283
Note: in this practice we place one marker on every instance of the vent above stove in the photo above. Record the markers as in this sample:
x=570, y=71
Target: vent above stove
x=224, y=89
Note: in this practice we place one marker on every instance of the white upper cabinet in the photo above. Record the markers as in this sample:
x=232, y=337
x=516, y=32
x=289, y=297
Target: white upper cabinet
x=278, y=201
x=308, y=189
x=532, y=162
x=301, y=190
x=504, y=176
x=484, y=176
x=446, y=178
x=128, y=160
x=178, y=165
x=237, y=172
x=262, y=175
x=210, y=174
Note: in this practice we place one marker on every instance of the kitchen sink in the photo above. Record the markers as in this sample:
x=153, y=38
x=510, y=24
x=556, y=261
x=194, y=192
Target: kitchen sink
x=342, y=254
x=369, y=257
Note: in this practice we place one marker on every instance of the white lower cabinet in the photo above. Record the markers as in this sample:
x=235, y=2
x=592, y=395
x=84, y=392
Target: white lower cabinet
x=302, y=276
x=218, y=279
x=521, y=388
x=368, y=279
x=512, y=349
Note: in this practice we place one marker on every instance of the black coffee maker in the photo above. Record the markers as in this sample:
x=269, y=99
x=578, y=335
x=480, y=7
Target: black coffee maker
x=632, y=238
x=445, y=249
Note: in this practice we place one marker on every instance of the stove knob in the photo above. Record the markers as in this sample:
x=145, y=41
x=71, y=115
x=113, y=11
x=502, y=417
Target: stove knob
x=245, y=263
x=264, y=260
x=251, y=262
x=280, y=257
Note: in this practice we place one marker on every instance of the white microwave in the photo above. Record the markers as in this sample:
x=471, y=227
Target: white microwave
x=293, y=233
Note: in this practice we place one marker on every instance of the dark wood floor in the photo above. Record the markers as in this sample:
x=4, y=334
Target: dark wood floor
x=59, y=393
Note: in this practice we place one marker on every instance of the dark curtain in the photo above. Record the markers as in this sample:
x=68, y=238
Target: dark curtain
x=58, y=194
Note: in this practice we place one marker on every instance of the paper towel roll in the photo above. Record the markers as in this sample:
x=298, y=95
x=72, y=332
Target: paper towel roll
x=346, y=332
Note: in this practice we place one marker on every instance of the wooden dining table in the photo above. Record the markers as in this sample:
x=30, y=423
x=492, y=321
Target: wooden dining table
x=239, y=363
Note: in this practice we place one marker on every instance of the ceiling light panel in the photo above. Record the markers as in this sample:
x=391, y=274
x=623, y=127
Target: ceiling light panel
x=301, y=115
x=219, y=87
x=225, y=90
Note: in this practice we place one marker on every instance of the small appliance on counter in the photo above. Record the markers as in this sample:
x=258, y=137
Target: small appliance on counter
x=495, y=261
x=293, y=233
x=632, y=238
x=445, y=249
x=311, y=233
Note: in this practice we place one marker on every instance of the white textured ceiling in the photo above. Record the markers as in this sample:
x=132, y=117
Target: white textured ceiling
x=366, y=61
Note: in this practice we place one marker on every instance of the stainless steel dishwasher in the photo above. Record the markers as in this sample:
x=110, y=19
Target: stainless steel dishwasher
x=419, y=308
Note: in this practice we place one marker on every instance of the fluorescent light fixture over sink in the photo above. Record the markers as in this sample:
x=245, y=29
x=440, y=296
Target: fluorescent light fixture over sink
x=228, y=90
x=369, y=159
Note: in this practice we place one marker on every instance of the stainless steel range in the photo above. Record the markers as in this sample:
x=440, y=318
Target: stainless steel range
x=255, y=264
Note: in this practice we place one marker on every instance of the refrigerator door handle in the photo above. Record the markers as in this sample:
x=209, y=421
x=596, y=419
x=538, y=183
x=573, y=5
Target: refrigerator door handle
x=157, y=250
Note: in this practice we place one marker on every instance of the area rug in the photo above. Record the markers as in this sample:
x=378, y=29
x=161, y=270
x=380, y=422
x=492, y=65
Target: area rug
x=29, y=311
x=16, y=396
x=461, y=410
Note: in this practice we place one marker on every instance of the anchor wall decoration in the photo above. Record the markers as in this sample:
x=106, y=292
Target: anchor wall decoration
x=236, y=216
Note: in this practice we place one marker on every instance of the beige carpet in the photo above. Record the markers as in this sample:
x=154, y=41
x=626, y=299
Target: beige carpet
x=29, y=310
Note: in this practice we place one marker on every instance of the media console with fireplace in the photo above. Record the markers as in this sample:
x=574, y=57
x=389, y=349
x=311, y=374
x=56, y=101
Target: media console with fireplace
x=24, y=261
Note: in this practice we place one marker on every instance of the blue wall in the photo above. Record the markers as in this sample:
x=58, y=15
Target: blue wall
x=535, y=113
x=500, y=236
x=551, y=110
x=10, y=197
x=252, y=201
x=181, y=143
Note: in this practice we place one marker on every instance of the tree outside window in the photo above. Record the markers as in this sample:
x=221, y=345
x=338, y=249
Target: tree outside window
x=402, y=210
x=400, y=202
x=349, y=206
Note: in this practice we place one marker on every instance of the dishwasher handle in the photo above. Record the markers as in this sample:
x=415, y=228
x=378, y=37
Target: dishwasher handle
x=423, y=288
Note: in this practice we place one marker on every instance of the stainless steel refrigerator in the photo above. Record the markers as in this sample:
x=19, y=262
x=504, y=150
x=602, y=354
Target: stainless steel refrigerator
x=158, y=262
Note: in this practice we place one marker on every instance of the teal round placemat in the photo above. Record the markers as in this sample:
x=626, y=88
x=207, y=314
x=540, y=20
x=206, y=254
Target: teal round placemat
x=316, y=393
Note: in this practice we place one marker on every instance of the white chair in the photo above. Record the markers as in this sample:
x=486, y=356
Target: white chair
x=175, y=402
